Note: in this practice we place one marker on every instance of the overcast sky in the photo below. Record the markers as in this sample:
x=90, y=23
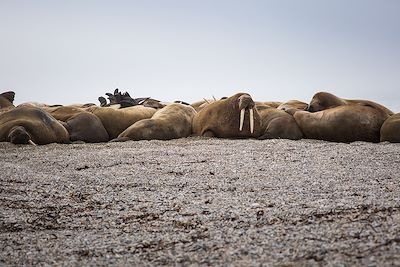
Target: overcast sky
x=64, y=52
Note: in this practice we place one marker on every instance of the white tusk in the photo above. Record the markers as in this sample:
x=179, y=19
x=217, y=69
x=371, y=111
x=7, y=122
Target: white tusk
x=251, y=121
x=241, y=119
x=31, y=142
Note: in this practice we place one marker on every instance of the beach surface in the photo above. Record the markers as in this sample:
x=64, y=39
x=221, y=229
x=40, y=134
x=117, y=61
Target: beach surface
x=199, y=201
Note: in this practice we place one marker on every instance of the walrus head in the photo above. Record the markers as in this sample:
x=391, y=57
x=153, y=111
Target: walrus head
x=19, y=135
x=324, y=100
x=245, y=102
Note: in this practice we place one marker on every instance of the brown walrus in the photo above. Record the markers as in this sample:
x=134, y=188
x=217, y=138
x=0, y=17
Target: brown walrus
x=115, y=121
x=390, y=130
x=7, y=101
x=171, y=122
x=233, y=117
x=80, y=124
x=27, y=124
x=349, y=123
x=277, y=124
x=324, y=100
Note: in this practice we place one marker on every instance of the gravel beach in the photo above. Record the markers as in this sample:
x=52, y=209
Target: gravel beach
x=199, y=201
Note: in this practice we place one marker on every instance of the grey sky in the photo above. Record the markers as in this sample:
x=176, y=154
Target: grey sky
x=74, y=51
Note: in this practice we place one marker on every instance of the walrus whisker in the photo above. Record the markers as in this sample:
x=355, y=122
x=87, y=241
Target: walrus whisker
x=241, y=119
x=31, y=142
x=251, y=120
x=206, y=101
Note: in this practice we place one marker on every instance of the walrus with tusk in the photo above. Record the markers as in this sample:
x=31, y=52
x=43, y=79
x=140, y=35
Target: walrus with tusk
x=233, y=117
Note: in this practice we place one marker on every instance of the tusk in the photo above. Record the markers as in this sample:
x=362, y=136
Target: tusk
x=251, y=121
x=31, y=142
x=241, y=119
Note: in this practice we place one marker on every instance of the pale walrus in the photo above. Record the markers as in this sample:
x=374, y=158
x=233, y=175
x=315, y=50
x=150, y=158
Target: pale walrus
x=80, y=124
x=233, y=117
x=349, y=123
x=171, y=122
x=117, y=120
x=324, y=100
x=277, y=124
x=23, y=125
x=390, y=130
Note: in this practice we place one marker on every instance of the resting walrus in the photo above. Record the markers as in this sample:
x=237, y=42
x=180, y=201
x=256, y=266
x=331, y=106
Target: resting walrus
x=7, y=101
x=80, y=124
x=171, y=122
x=276, y=124
x=349, y=123
x=233, y=117
x=324, y=100
x=115, y=121
x=390, y=130
x=27, y=124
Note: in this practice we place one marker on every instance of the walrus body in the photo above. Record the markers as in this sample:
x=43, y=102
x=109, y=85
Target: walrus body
x=293, y=104
x=276, y=124
x=24, y=124
x=80, y=124
x=233, y=117
x=171, y=122
x=390, y=130
x=347, y=123
x=324, y=100
x=115, y=121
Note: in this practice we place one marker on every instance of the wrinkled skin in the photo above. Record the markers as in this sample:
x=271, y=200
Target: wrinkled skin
x=81, y=125
x=346, y=123
x=171, y=122
x=324, y=100
x=277, y=124
x=222, y=118
x=390, y=130
x=23, y=124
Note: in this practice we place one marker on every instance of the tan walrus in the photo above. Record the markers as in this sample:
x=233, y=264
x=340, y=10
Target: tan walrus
x=348, y=123
x=390, y=130
x=233, y=117
x=324, y=100
x=118, y=120
x=80, y=124
x=300, y=105
x=277, y=124
x=171, y=122
x=27, y=124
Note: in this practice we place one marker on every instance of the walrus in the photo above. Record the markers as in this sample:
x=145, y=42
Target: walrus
x=115, y=121
x=171, y=122
x=80, y=124
x=324, y=100
x=233, y=117
x=390, y=130
x=348, y=123
x=277, y=124
x=300, y=105
x=7, y=101
x=28, y=124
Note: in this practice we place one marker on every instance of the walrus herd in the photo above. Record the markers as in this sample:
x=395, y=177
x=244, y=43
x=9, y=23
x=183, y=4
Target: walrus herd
x=326, y=117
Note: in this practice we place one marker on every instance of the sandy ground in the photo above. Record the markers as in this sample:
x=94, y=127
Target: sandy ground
x=202, y=202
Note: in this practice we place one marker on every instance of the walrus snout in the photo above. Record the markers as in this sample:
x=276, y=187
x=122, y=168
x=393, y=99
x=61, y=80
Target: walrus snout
x=19, y=135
